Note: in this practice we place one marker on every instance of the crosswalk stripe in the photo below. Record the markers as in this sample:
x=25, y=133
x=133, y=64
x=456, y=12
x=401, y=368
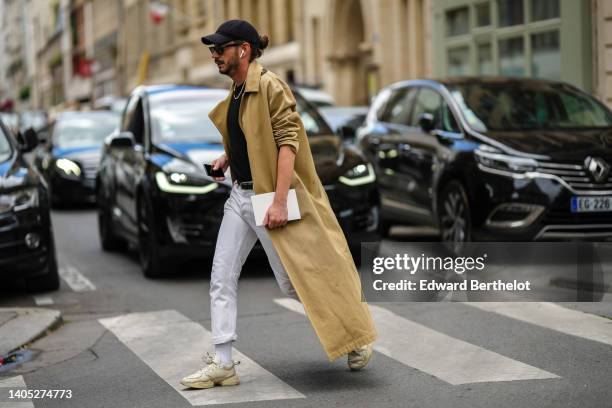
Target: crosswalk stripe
x=447, y=358
x=15, y=384
x=554, y=317
x=172, y=346
x=75, y=279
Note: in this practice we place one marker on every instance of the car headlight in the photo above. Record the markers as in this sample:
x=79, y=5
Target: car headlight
x=493, y=158
x=358, y=175
x=18, y=200
x=69, y=167
x=182, y=177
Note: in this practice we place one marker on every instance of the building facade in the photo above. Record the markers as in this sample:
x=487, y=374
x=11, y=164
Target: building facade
x=602, y=33
x=104, y=29
x=169, y=50
x=72, y=51
x=4, y=89
x=567, y=40
x=17, y=52
x=350, y=48
x=48, y=20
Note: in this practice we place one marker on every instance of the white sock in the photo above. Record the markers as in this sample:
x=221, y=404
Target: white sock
x=224, y=352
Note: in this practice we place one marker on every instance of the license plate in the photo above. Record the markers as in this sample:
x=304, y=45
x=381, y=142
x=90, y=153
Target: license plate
x=591, y=204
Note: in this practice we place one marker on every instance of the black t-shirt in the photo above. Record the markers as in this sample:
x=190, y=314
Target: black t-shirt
x=238, y=154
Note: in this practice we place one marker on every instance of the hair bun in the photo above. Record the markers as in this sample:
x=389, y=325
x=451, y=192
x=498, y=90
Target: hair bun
x=263, y=42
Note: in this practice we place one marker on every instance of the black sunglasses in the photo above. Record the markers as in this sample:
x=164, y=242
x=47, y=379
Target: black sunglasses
x=220, y=49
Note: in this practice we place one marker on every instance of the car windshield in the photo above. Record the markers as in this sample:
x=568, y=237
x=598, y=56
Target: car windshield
x=528, y=106
x=5, y=146
x=312, y=120
x=184, y=118
x=11, y=120
x=78, y=131
x=33, y=119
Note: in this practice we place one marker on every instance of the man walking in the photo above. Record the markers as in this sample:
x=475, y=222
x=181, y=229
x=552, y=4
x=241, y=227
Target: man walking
x=267, y=150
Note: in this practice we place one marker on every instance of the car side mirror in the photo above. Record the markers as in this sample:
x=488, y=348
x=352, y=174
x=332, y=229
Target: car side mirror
x=123, y=140
x=29, y=140
x=426, y=121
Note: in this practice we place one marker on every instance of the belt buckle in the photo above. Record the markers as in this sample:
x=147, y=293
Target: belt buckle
x=246, y=185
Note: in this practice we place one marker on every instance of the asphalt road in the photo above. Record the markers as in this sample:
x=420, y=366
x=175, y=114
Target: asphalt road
x=126, y=339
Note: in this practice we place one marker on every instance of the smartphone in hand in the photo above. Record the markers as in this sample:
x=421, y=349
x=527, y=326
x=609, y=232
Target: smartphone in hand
x=213, y=173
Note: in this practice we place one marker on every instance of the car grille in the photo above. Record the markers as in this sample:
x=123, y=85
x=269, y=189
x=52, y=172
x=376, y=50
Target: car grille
x=90, y=167
x=575, y=175
x=565, y=217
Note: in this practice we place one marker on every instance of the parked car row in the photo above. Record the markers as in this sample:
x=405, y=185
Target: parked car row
x=478, y=158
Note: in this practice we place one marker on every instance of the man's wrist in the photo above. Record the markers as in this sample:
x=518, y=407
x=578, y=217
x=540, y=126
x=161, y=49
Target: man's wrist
x=281, y=201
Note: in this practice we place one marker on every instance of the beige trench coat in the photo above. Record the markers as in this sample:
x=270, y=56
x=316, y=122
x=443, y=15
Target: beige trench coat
x=313, y=250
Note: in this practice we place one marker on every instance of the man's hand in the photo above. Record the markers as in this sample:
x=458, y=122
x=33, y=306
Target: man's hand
x=276, y=216
x=220, y=163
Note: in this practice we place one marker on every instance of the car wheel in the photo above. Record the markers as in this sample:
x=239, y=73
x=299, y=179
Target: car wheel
x=50, y=280
x=454, y=216
x=152, y=262
x=108, y=239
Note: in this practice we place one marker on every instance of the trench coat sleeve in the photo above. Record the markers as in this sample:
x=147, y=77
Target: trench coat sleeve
x=283, y=114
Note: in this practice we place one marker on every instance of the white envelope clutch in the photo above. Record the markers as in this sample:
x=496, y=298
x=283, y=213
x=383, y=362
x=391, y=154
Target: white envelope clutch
x=261, y=202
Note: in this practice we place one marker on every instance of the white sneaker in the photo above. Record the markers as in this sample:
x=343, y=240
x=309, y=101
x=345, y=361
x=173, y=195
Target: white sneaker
x=359, y=358
x=212, y=374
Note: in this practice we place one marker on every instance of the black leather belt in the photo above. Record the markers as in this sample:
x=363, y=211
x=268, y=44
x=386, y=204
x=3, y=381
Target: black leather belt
x=245, y=185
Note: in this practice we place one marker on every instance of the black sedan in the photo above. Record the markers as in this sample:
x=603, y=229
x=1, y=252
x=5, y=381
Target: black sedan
x=153, y=191
x=492, y=159
x=27, y=248
x=69, y=160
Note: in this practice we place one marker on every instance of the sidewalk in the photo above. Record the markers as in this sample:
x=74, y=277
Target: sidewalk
x=20, y=326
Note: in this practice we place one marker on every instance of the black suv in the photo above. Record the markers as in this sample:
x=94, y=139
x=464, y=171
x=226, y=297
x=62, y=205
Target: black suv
x=27, y=248
x=492, y=159
x=153, y=192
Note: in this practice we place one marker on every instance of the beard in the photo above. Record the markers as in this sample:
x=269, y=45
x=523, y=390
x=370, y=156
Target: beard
x=228, y=65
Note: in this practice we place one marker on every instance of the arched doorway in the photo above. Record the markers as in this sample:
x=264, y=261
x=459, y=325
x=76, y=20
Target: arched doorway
x=348, y=59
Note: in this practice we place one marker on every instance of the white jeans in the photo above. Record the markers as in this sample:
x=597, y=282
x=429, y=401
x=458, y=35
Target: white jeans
x=237, y=236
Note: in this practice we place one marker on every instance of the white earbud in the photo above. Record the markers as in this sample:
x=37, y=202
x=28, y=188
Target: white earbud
x=241, y=53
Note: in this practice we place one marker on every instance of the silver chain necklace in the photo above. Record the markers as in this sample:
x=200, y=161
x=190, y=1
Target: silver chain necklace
x=241, y=90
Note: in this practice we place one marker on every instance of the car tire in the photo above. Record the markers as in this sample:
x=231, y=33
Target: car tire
x=49, y=281
x=152, y=262
x=454, y=216
x=108, y=238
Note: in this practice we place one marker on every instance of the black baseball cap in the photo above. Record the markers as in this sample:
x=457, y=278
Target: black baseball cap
x=233, y=30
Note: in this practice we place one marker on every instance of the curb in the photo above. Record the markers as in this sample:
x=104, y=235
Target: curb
x=20, y=326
